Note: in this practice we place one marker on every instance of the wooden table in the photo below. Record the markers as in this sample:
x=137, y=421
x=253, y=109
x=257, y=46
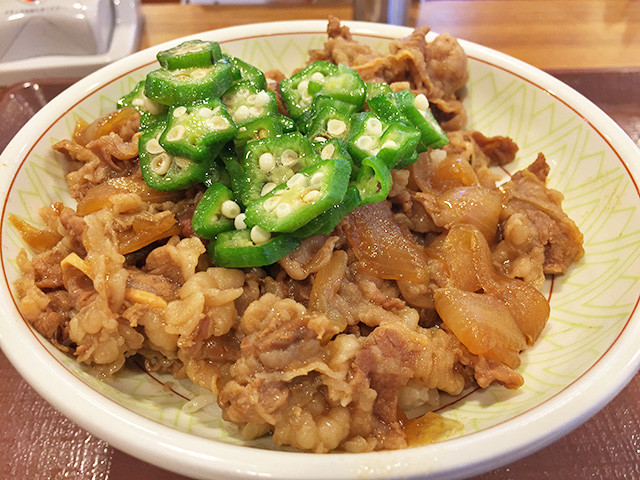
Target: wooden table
x=572, y=36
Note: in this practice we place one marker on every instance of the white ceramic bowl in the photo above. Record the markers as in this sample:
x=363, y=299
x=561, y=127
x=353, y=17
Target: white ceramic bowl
x=587, y=352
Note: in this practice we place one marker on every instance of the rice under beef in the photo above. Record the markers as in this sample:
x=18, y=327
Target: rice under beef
x=430, y=291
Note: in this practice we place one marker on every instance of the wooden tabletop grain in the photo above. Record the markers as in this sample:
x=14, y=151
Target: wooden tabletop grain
x=38, y=443
x=549, y=34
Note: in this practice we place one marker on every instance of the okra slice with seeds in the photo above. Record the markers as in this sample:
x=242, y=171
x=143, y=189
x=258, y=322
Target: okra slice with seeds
x=321, y=78
x=374, y=181
x=246, y=102
x=302, y=198
x=335, y=148
x=163, y=171
x=324, y=223
x=273, y=160
x=255, y=130
x=150, y=111
x=193, y=53
x=328, y=123
x=250, y=247
x=198, y=130
x=398, y=143
x=215, y=212
x=186, y=85
x=416, y=109
x=370, y=136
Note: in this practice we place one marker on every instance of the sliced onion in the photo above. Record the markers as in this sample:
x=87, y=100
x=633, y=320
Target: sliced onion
x=99, y=196
x=383, y=247
x=482, y=323
x=111, y=122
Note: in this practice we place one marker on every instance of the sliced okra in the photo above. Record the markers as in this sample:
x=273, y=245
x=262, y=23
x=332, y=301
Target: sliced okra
x=233, y=165
x=244, y=72
x=255, y=130
x=193, y=53
x=186, y=85
x=324, y=223
x=370, y=136
x=217, y=173
x=163, y=171
x=321, y=78
x=150, y=111
x=376, y=88
x=216, y=212
x=416, y=109
x=384, y=107
x=270, y=161
x=374, y=180
x=328, y=123
x=250, y=247
x=287, y=124
x=335, y=148
x=302, y=198
x=246, y=102
x=198, y=130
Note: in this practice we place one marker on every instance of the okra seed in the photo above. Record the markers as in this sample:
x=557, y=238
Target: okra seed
x=267, y=188
x=183, y=163
x=266, y=162
x=328, y=151
x=262, y=98
x=303, y=91
x=218, y=123
x=316, y=178
x=421, y=102
x=373, y=126
x=138, y=102
x=242, y=113
x=317, y=77
x=199, y=73
x=179, y=111
x=389, y=144
x=262, y=133
x=271, y=203
x=153, y=147
x=311, y=196
x=205, y=112
x=214, y=218
x=320, y=139
x=152, y=107
x=176, y=133
x=364, y=142
x=303, y=87
x=230, y=209
x=251, y=98
x=336, y=127
x=259, y=236
x=239, y=222
x=297, y=180
x=160, y=164
x=288, y=157
x=283, y=210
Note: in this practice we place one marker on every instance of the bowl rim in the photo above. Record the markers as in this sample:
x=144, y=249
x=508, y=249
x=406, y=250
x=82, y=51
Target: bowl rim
x=200, y=457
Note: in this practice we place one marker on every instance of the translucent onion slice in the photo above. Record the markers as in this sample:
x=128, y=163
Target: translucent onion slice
x=482, y=323
x=383, y=247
